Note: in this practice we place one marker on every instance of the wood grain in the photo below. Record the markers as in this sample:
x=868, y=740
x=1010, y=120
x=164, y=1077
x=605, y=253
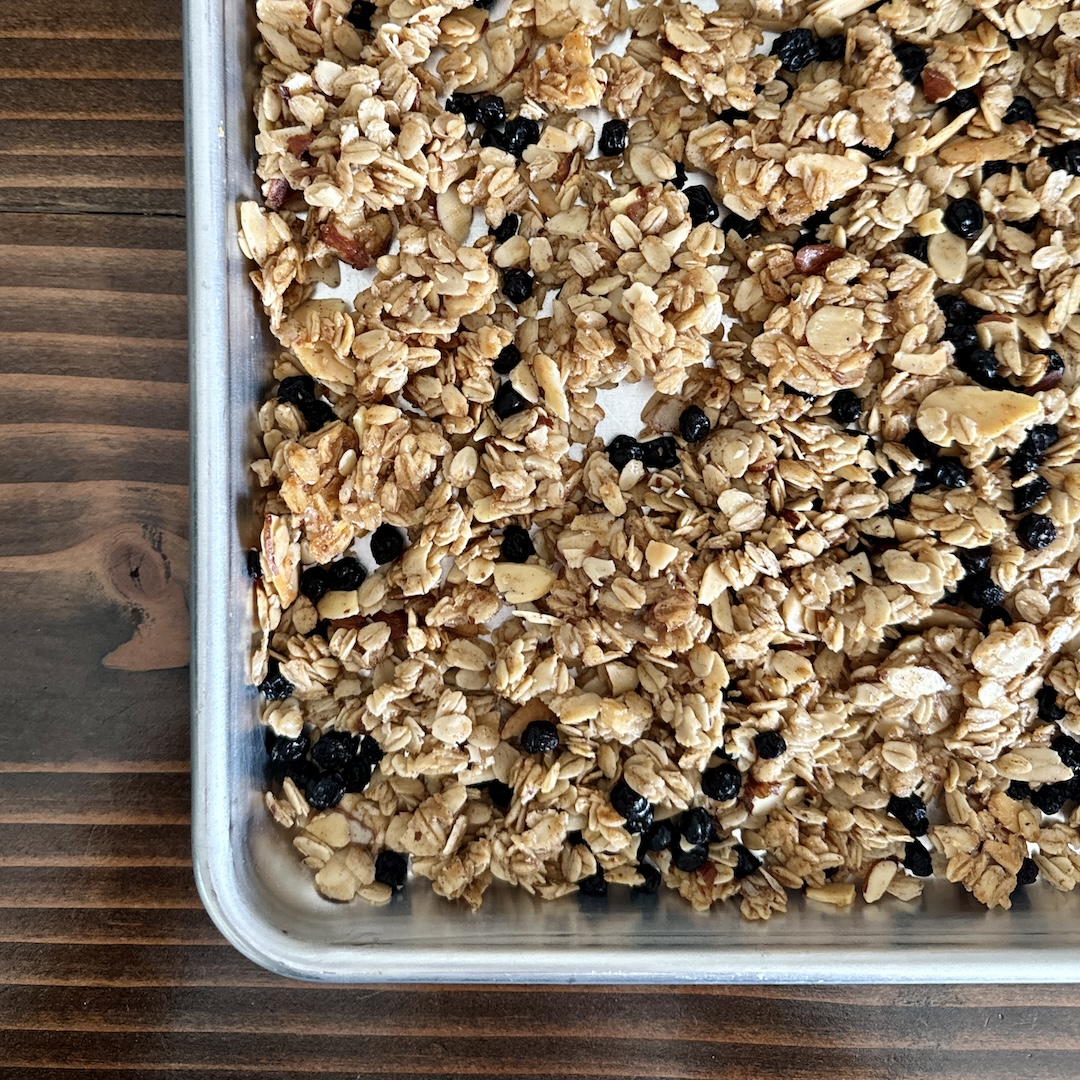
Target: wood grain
x=108, y=965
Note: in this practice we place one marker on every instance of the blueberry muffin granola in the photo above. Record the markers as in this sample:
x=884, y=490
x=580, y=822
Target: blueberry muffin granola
x=806, y=625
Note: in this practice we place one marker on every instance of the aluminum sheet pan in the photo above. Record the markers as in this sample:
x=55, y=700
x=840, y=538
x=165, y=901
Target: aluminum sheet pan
x=250, y=880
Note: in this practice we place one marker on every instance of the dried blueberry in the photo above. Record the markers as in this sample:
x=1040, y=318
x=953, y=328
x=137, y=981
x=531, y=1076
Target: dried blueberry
x=624, y=449
x=689, y=860
x=356, y=776
x=464, y=105
x=964, y=217
x=1028, y=873
x=1023, y=463
x=922, y=483
x=679, y=180
x=696, y=826
x=593, y=885
x=912, y=60
x=962, y=338
x=981, y=591
x=919, y=444
x=360, y=15
x=490, y=110
x=284, y=751
x=910, y=811
x=317, y=414
x=729, y=115
x=1049, y=711
x=639, y=824
x=507, y=360
x=1028, y=226
x=700, y=204
x=253, y=564
x=975, y=560
x=769, y=744
x=539, y=736
x=275, y=687
x=506, y=228
x=694, y=424
x=1050, y=798
x=483, y=5
x=494, y=137
x=520, y=133
x=1020, y=111
x=1064, y=156
x=1027, y=496
x=722, y=782
x=614, y=136
x=981, y=366
x=517, y=285
x=876, y=153
x=500, y=794
x=740, y=226
x=660, y=836
x=1068, y=749
x=508, y=402
x=627, y=802
x=370, y=751
x=1040, y=438
x=995, y=168
x=345, y=574
x=948, y=472
x=916, y=247
x=387, y=544
x=325, y=791
x=391, y=868
x=334, y=750
x=917, y=859
x=297, y=390
x=832, y=48
x=651, y=880
x=845, y=407
x=1020, y=790
x=957, y=311
x=796, y=49
x=517, y=544
x=993, y=614
x=746, y=862
x=1036, y=531
x=961, y=102
x=660, y=453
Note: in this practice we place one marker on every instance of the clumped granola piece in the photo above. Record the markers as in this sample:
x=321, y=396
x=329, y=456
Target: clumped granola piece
x=818, y=602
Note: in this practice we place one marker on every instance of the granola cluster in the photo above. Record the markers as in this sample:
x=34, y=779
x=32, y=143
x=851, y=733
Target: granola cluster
x=809, y=624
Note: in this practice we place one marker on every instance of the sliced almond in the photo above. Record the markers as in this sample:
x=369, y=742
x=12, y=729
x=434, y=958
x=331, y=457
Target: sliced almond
x=521, y=583
x=339, y=605
x=948, y=256
x=660, y=556
x=878, y=880
x=833, y=331
x=836, y=893
x=945, y=414
x=454, y=216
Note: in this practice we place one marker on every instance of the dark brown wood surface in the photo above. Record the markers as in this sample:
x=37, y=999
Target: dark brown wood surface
x=107, y=962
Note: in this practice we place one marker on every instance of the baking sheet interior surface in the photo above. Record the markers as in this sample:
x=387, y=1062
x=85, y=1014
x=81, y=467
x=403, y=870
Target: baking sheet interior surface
x=248, y=874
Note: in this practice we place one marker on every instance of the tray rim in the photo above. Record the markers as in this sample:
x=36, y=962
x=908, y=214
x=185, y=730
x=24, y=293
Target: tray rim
x=210, y=229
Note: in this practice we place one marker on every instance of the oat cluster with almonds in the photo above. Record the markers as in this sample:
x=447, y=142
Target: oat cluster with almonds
x=808, y=626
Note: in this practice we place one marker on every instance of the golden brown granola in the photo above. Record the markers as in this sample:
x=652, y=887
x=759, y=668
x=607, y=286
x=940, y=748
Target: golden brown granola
x=822, y=599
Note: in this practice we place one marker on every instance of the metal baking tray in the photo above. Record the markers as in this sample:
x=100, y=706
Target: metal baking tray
x=248, y=874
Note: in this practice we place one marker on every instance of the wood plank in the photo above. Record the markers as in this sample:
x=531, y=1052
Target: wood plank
x=27, y=58
x=113, y=136
x=46, y=352
x=140, y=314
x=118, y=798
x=92, y=99
x=64, y=453
x=69, y=399
x=111, y=926
x=70, y=19
x=59, y=888
x=101, y=269
x=469, y=1054
x=90, y=845
x=100, y=232
x=40, y=518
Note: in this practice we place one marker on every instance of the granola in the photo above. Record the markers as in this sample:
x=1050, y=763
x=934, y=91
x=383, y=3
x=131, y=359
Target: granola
x=809, y=622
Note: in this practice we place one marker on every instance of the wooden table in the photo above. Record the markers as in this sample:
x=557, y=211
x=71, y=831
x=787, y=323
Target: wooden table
x=107, y=961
